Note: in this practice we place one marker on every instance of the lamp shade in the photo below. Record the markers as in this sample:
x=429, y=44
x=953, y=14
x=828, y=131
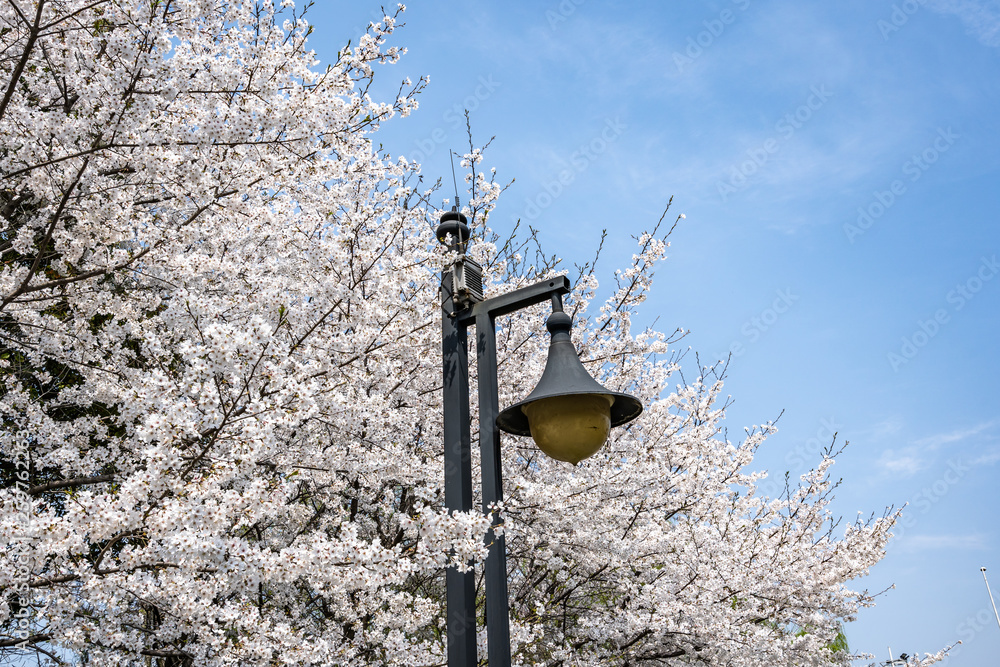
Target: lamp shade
x=569, y=414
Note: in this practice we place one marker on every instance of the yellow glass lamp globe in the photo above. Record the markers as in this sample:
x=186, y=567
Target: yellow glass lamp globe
x=570, y=428
x=569, y=414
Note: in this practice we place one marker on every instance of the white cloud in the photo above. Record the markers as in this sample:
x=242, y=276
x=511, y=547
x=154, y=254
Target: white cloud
x=974, y=541
x=956, y=435
x=981, y=17
x=909, y=460
x=904, y=462
x=888, y=427
x=988, y=458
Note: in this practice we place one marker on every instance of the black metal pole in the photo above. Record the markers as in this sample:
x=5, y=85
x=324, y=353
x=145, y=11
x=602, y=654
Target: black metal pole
x=461, y=587
x=497, y=612
x=483, y=315
x=461, y=593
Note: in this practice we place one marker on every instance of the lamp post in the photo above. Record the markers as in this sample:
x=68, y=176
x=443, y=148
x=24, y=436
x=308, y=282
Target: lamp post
x=569, y=415
x=983, y=570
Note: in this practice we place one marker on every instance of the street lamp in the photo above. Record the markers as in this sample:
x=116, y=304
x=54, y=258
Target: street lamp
x=568, y=414
x=983, y=570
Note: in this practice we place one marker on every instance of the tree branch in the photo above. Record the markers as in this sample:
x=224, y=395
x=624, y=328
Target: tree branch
x=30, y=640
x=66, y=483
x=15, y=76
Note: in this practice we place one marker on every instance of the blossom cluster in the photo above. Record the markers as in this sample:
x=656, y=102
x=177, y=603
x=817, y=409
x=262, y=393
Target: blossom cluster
x=219, y=336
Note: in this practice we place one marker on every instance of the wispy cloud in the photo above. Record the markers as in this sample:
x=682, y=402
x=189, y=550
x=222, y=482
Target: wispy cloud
x=981, y=17
x=956, y=435
x=888, y=427
x=989, y=458
x=904, y=462
x=919, y=455
x=909, y=460
x=974, y=541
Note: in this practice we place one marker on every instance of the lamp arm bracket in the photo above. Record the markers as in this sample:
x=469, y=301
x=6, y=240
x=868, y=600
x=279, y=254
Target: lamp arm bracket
x=511, y=302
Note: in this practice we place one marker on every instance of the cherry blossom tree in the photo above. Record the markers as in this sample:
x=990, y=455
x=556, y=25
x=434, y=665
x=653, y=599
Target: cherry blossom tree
x=220, y=366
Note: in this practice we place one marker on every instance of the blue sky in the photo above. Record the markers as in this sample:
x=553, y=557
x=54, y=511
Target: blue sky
x=837, y=164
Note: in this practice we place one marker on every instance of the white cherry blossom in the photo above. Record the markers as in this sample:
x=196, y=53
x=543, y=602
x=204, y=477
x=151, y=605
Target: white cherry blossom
x=220, y=347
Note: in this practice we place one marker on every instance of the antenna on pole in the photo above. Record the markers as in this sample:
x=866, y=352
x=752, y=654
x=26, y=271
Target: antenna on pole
x=983, y=570
x=453, y=179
